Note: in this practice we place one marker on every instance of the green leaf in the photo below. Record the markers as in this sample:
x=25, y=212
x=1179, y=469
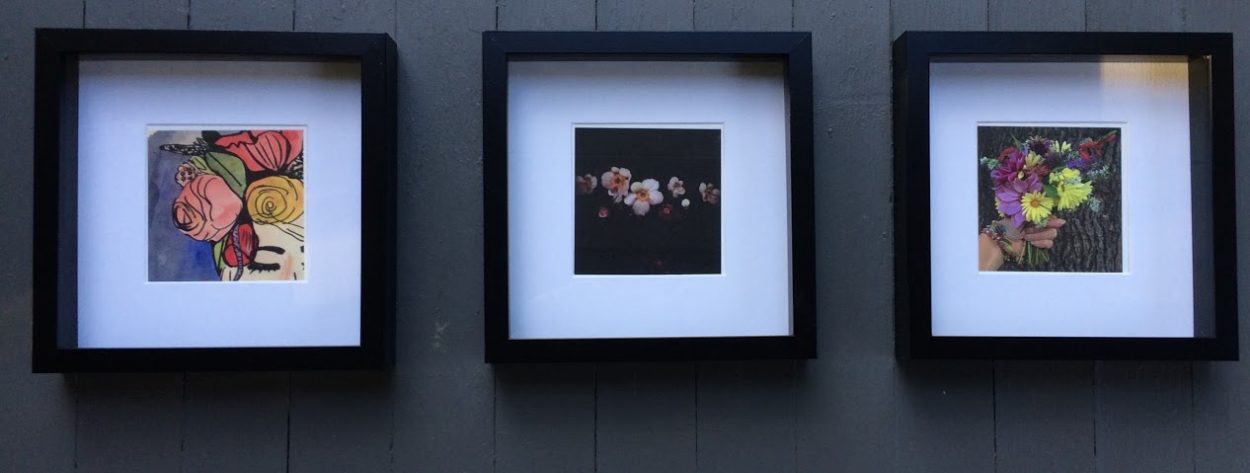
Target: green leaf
x=198, y=162
x=1051, y=191
x=230, y=168
x=218, y=249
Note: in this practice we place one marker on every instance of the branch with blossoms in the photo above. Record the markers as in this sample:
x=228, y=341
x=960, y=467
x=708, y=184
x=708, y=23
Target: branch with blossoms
x=645, y=197
x=1038, y=178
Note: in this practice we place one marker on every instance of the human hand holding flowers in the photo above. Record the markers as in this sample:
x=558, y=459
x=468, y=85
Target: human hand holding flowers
x=993, y=246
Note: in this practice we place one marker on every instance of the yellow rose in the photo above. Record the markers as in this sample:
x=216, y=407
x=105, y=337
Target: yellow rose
x=275, y=199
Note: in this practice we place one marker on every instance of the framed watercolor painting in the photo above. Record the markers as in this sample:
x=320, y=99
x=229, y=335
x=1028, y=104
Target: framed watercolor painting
x=1064, y=196
x=200, y=198
x=686, y=231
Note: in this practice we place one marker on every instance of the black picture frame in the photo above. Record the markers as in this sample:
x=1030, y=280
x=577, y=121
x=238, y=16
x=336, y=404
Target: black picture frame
x=55, y=226
x=1210, y=58
x=501, y=48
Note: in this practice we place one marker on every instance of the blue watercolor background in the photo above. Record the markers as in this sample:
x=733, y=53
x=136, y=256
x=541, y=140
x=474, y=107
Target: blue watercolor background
x=172, y=256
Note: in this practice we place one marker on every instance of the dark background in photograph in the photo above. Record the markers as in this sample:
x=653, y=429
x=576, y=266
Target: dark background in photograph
x=1090, y=242
x=172, y=255
x=685, y=242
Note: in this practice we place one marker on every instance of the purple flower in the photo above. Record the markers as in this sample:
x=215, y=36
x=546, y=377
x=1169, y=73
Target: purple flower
x=1010, y=165
x=1009, y=195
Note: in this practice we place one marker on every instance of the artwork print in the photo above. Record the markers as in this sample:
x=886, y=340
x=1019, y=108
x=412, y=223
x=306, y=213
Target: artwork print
x=226, y=205
x=647, y=201
x=1049, y=199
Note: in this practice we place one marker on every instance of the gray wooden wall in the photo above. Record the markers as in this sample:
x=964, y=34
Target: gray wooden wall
x=442, y=410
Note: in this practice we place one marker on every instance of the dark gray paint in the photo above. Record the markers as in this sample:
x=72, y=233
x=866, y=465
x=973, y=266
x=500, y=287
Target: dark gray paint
x=260, y=15
x=1222, y=391
x=442, y=409
x=648, y=408
x=37, y=412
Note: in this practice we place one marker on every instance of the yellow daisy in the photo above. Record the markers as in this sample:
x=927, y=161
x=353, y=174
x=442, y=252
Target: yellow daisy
x=1036, y=207
x=1073, y=194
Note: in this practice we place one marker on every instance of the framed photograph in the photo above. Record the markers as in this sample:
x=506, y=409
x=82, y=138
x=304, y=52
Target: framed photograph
x=213, y=200
x=1064, y=196
x=648, y=196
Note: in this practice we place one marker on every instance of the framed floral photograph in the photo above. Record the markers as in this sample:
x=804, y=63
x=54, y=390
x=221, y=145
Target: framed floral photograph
x=685, y=231
x=1064, y=196
x=201, y=203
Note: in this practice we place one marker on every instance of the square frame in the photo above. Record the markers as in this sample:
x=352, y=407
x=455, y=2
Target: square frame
x=793, y=49
x=55, y=221
x=1210, y=64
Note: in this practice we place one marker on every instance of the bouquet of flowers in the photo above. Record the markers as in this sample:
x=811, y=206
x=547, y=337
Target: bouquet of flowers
x=237, y=187
x=1038, y=178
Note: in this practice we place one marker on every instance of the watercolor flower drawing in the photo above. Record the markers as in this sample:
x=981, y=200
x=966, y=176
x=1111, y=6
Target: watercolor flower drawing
x=1041, y=182
x=238, y=203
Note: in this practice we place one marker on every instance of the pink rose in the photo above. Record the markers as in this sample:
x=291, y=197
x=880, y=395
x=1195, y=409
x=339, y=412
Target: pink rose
x=206, y=208
x=261, y=150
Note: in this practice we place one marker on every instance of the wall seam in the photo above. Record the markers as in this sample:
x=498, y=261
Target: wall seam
x=1193, y=408
x=696, y=415
x=182, y=423
x=76, y=385
x=288, y=396
x=1093, y=387
x=594, y=453
x=994, y=390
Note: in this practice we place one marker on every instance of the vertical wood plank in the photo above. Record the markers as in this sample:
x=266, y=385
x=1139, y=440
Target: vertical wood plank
x=36, y=411
x=843, y=425
x=1143, y=411
x=850, y=58
x=342, y=421
x=549, y=15
x=745, y=410
x=644, y=15
x=236, y=15
x=545, y=413
x=850, y=43
x=147, y=14
x=645, y=408
x=443, y=392
x=945, y=419
x=746, y=416
x=748, y=15
x=238, y=422
x=235, y=422
x=1044, y=416
x=970, y=15
x=348, y=16
x=1135, y=15
x=545, y=418
x=129, y=422
x=1043, y=411
x=1037, y=15
x=1222, y=390
x=1144, y=417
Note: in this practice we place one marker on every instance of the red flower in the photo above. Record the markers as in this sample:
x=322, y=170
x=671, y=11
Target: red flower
x=665, y=212
x=604, y=212
x=206, y=208
x=240, y=246
x=273, y=150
